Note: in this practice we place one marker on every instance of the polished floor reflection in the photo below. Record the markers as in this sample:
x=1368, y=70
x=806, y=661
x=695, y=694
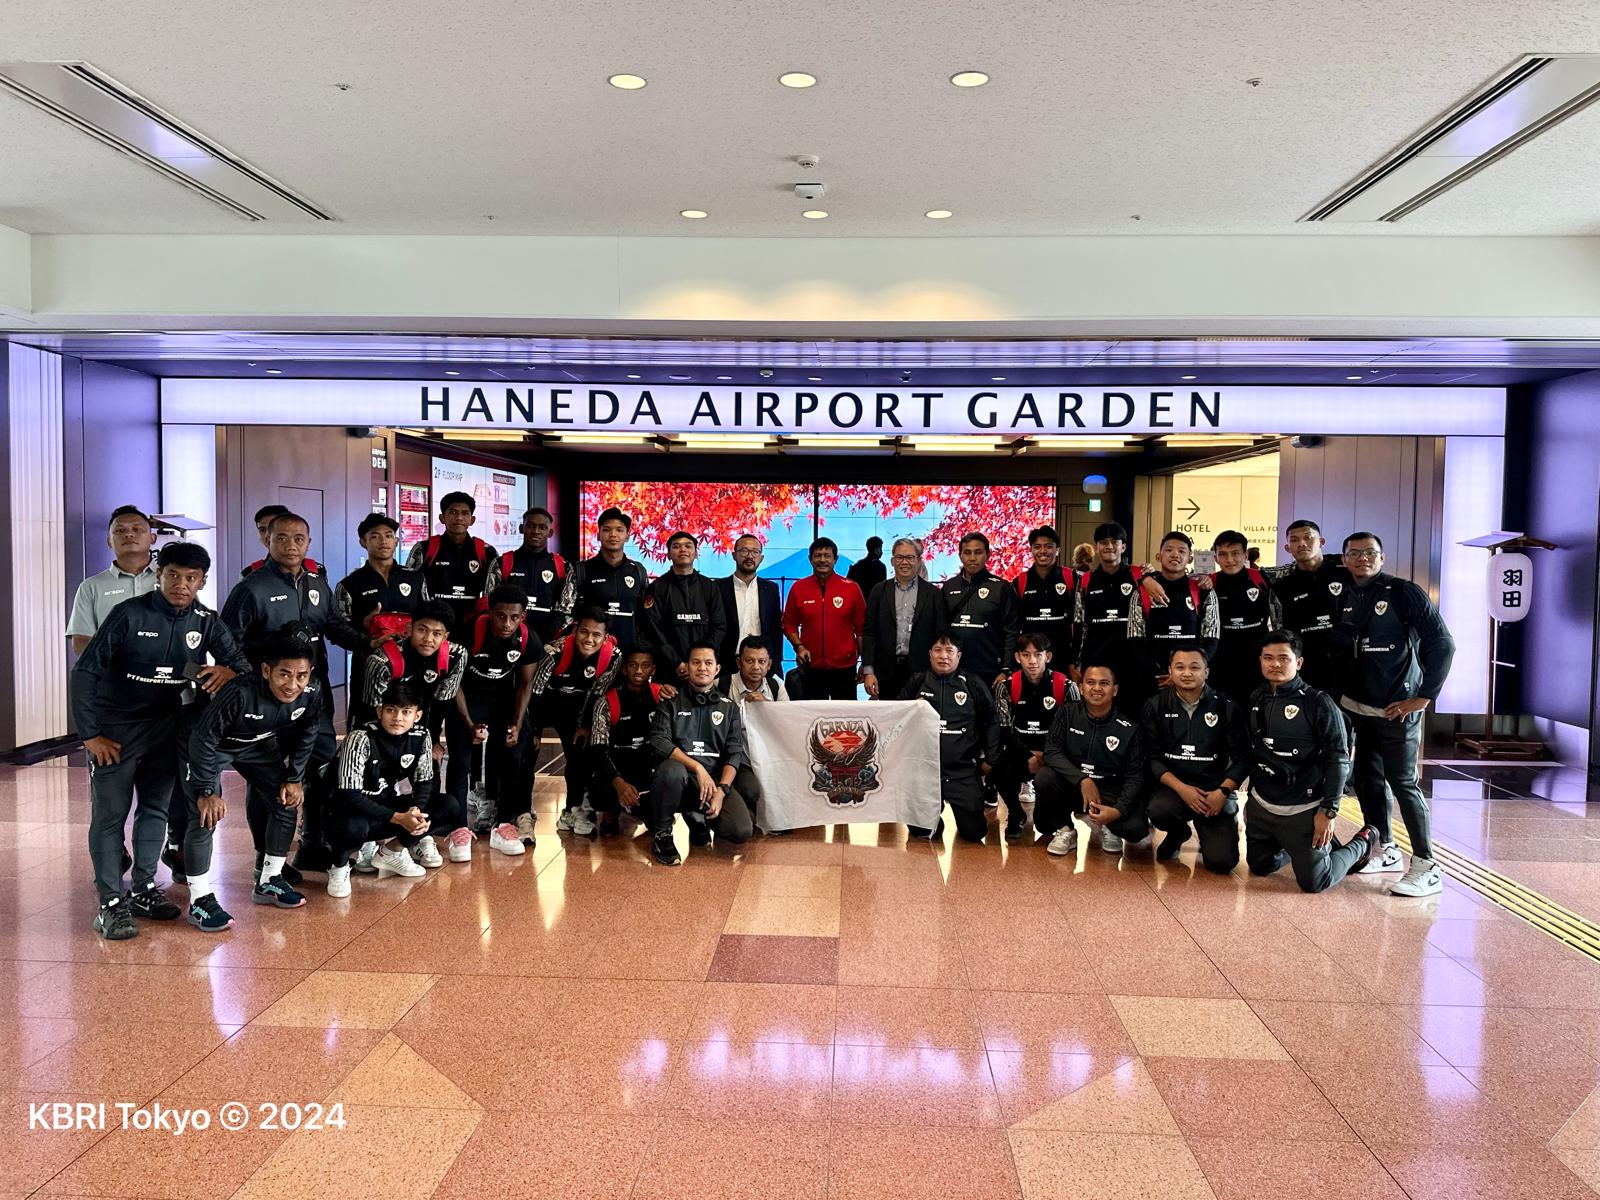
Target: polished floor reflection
x=829, y=1014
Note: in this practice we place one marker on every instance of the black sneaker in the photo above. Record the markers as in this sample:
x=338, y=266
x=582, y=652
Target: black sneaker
x=152, y=904
x=172, y=856
x=114, y=922
x=665, y=851
x=699, y=831
x=311, y=857
x=277, y=891
x=1372, y=842
x=1171, y=844
x=206, y=915
x=289, y=874
x=1013, y=832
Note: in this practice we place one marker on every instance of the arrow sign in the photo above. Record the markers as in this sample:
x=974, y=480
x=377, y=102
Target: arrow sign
x=1193, y=510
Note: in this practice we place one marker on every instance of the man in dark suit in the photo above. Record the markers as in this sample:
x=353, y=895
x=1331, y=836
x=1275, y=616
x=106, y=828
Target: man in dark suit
x=904, y=614
x=751, y=604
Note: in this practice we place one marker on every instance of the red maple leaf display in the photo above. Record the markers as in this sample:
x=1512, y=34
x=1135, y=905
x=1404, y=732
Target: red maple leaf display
x=717, y=513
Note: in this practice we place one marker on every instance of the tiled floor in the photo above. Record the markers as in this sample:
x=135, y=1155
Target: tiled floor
x=831, y=1014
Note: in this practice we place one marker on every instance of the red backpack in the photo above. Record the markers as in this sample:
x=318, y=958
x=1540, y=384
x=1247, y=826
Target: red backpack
x=1256, y=577
x=480, y=634
x=1194, y=591
x=397, y=658
x=614, y=701
x=608, y=650
x=508, y=561
x=1058, y=686
x=1083, y=580
x=430, y=552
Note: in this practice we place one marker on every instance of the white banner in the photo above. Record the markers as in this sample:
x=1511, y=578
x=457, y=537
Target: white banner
x=829, y=762
x=867, y=411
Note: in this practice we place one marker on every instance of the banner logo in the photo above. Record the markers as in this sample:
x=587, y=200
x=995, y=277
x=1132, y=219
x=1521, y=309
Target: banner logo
x=844, y=758
x=192, y=639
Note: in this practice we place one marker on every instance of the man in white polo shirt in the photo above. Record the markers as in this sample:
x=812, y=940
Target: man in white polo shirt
x=133, y=573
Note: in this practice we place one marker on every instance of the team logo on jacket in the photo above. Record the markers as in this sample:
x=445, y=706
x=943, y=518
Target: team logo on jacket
x=588, y=672
x=547, y=576
x=1291, y=711
x=474, y=565
x=627, y=581
x=1381, y=607
x=983, y=593
x=430, y=676
x=1189, y=600
x=838, y=601
x=1335, y=588
x=192, y=639
x=1253, y=593
x=1211, y=720
x=405, y=589
x=844, y=760
x=1061, y=589
x=1113, y=741
x=513, y=655
x=1127, y=589
x=716, y=717
x=297, y=713
x=1049, y=703
x=315, y=597
x=406, y=760
x=961, y=697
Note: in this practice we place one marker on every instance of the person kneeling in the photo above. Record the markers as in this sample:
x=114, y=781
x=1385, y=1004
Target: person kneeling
x=698, y=737
x=382, y=765
x=1298, y=764
x=1199, y=754
x=1094, y=764
x=620, y=741
x=969, y=736
x=246, y=727
x=1026, y=701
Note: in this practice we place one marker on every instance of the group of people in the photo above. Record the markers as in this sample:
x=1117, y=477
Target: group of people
x=1177, y=690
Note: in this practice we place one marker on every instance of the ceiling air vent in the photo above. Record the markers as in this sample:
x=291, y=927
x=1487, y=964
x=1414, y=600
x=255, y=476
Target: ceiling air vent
x=99, y=106
x=1534, y=95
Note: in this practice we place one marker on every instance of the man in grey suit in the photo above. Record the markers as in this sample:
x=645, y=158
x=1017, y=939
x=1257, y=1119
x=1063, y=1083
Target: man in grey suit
x=904, y=614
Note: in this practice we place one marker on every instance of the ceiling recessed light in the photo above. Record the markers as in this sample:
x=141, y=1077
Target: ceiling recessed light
x=998, y=378
x=1186, y=377
x=680, y=378
x=797, y=79
x=694, y=214
x=452, y=372
x=724, y=378
x=969, y=79
x=1352, y=377
x=273, y=371
x=938, y=214
x=814, y=214
x=628, y=83
x=633, y=377
x=814, y=378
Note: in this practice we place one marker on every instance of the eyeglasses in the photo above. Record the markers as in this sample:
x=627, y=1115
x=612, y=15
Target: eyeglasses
x=903, y=557
x=1362, y=553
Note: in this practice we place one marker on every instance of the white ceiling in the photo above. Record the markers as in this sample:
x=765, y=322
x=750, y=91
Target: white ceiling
x=1097, y=112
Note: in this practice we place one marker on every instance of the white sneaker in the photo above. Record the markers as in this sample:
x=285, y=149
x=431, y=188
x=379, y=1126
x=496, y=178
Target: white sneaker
x=396, y=862
x=1064, y=842
x=1110, y=842
x=339, y=882
x=460, y=847
x=583, y=821
x=525, y=828
x=426, y=853
x=504, y=839
x=1387, y=861
x=566, y=820
x=364, y=859
x=1420, y=879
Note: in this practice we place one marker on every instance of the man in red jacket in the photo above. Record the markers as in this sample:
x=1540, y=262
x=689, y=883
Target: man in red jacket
x=823, y=619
